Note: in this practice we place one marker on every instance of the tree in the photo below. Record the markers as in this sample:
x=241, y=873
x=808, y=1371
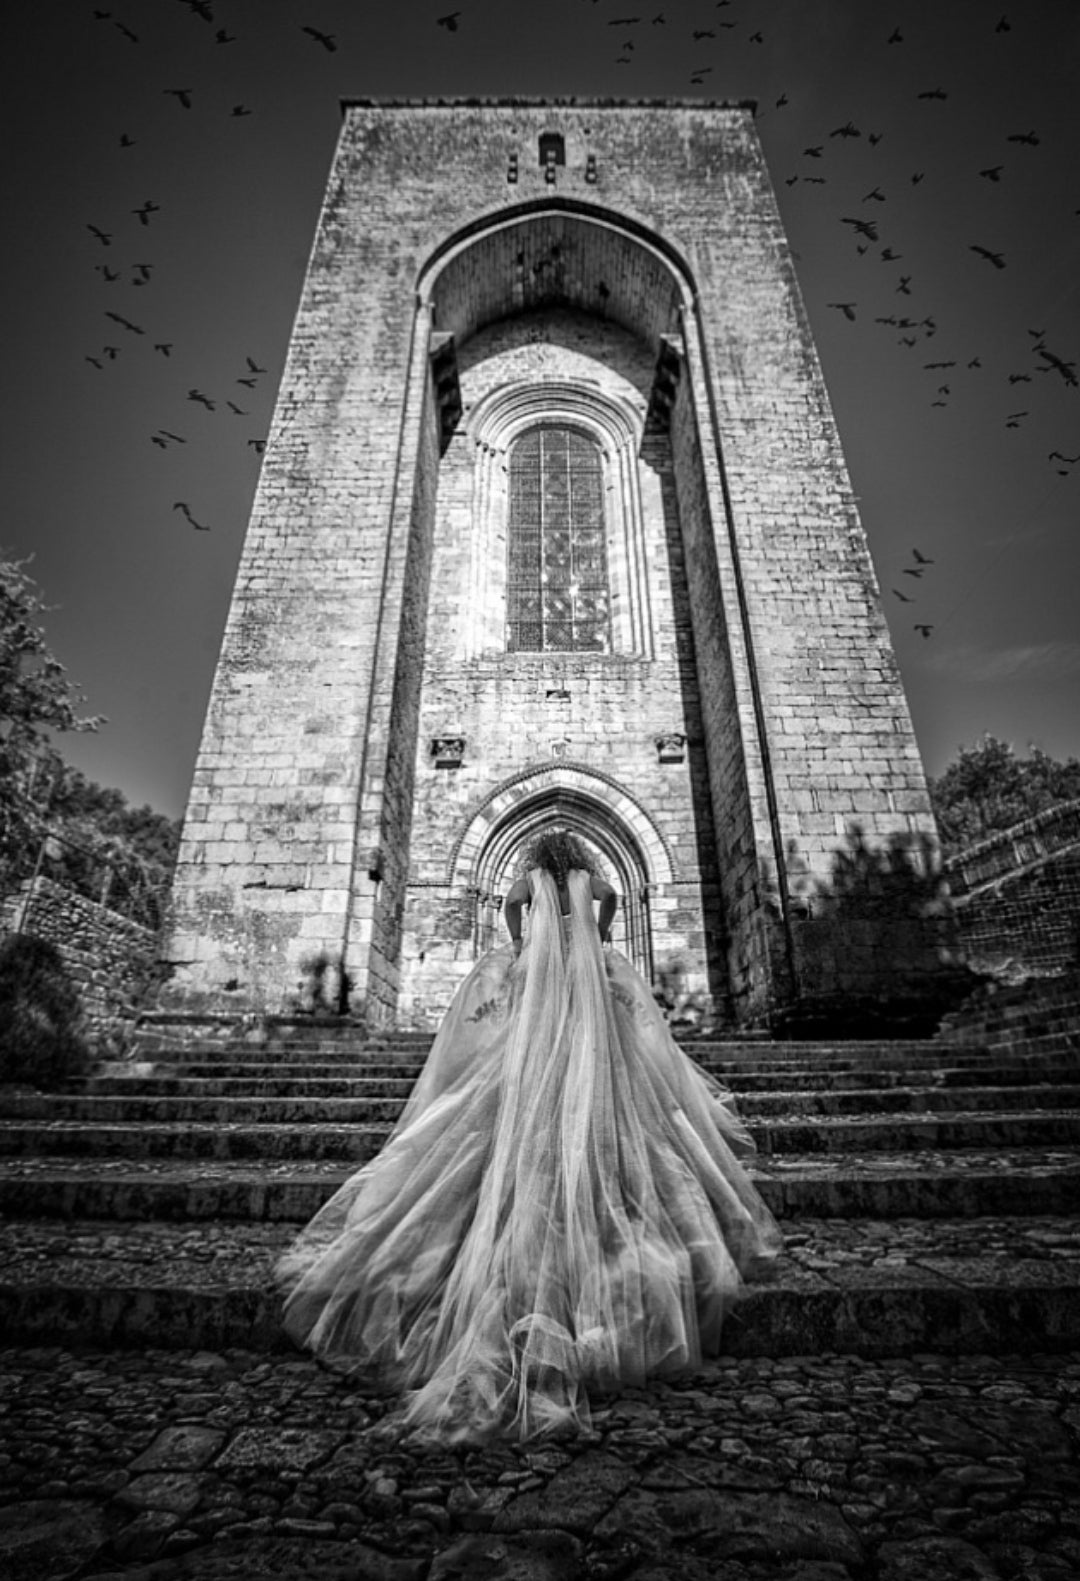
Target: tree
x=36, y=699
x=989, y=789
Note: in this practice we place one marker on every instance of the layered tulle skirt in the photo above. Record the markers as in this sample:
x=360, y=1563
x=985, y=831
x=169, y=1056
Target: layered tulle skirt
x=562, y=1207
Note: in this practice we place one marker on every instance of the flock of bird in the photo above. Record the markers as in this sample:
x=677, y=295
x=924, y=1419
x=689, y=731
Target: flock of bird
x=820, y=161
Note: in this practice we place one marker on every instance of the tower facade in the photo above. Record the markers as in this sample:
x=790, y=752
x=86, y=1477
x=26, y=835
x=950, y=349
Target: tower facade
x=553, y=520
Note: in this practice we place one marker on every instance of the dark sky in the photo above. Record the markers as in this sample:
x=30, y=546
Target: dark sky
x=955, y=461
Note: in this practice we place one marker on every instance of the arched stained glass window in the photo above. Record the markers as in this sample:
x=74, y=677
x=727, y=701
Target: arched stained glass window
x=557, y=580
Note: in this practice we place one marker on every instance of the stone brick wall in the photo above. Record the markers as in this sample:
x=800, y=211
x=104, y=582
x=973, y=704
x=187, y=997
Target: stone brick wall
x=109, y=959
x=661, y=225
x=1017, y=895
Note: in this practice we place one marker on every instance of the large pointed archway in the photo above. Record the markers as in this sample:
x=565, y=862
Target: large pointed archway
x=626, y=844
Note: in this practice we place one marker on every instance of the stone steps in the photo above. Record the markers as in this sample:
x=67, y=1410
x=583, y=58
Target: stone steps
x=710, y=1053
x=961, y=1183
x=929, y=1193
x=851, y=1286
x=329, y=1081
x=357, y=1142
x=234, y=1111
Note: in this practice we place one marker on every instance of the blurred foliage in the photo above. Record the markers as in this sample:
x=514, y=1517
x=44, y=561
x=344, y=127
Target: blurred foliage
x=989, y=789
x=54, y=820
x=40, y=1015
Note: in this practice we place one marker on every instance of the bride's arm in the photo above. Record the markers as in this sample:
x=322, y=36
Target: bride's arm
x=518, y=897
x=609, y=905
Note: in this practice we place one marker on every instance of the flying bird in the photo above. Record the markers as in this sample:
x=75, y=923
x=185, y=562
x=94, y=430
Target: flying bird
x=239, y=109
x=847, y=308
x=911, y=570
x=103, y=236
x=222, y=37
x=818, y=181
x=144, y=273
x=327, y=40
x=849, y=129
x=815, y=152
x=98, y=365
x=933, y=93
x=867, y=228
x=992, y=172
x=756, y=38
x=975, y=363
x=1023, y=137
x=253, y=365
x=109, y=274
x=1013, y=419
x=449, y=22
x=895, y=37
x=183, y=94
x=780, y=103
x=874, y=138
x=128, y=34
x=922, y=558
x=876, y=195
x=204, y=400
x=112, y=352
x=903, y=597
x=258, y=445
x=701, y=32
x=888, y=256
x=126, y=322
x=146, y=210
x=926, y=630
x=126, y=141
x=919, y=175
x=235, y=409
x=1057, y=455
x=182, y=505
x=1056, y=364
x=1019, y=378
x=164, y=346
x=201, y=9
x=249, y=382
x=997, y=259
x=939, y=364
x=1003, y=26
x=905, y=285
x=178, y=438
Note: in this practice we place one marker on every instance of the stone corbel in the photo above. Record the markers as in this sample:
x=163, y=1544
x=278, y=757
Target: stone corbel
x=447, y=751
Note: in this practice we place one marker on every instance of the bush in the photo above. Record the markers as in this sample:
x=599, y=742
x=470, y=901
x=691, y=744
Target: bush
x=40, y=1040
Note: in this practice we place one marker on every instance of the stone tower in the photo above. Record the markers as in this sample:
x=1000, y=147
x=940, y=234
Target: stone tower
x=553, y=520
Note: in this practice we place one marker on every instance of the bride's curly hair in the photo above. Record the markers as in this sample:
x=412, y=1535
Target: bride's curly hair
x=557, y=851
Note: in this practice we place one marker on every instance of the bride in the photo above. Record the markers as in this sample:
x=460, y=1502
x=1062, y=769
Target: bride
x=561, y=1206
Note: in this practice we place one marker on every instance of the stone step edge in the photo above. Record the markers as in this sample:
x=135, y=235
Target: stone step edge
x=870, y=1320
x=252, y=1198
x=313, y=1109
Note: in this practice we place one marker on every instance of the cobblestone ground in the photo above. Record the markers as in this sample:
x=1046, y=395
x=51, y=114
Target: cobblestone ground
x=155, y=1464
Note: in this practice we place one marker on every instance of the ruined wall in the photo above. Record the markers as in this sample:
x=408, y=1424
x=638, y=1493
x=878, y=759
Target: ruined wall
x=1017, y=896
x=109, y=959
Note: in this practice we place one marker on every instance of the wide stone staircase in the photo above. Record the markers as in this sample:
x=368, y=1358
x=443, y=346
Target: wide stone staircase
x=928, y=1191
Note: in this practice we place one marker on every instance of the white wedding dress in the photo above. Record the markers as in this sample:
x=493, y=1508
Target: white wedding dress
x=561, y=1206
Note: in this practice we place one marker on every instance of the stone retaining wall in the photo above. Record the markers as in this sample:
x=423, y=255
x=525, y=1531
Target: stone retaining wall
x=110, y=959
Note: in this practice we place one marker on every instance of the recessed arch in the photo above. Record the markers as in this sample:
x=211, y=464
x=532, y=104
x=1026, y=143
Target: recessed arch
x=562, y=784
x=632, y=853
x=556, y=251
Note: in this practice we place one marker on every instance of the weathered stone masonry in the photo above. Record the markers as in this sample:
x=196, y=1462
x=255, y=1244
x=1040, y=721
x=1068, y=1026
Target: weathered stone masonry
x=374, y=755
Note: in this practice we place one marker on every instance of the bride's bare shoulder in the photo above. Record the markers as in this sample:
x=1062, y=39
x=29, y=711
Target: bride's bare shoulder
x=519, y=892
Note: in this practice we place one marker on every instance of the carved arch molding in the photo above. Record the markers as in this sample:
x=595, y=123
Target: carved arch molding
x=631, y=851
